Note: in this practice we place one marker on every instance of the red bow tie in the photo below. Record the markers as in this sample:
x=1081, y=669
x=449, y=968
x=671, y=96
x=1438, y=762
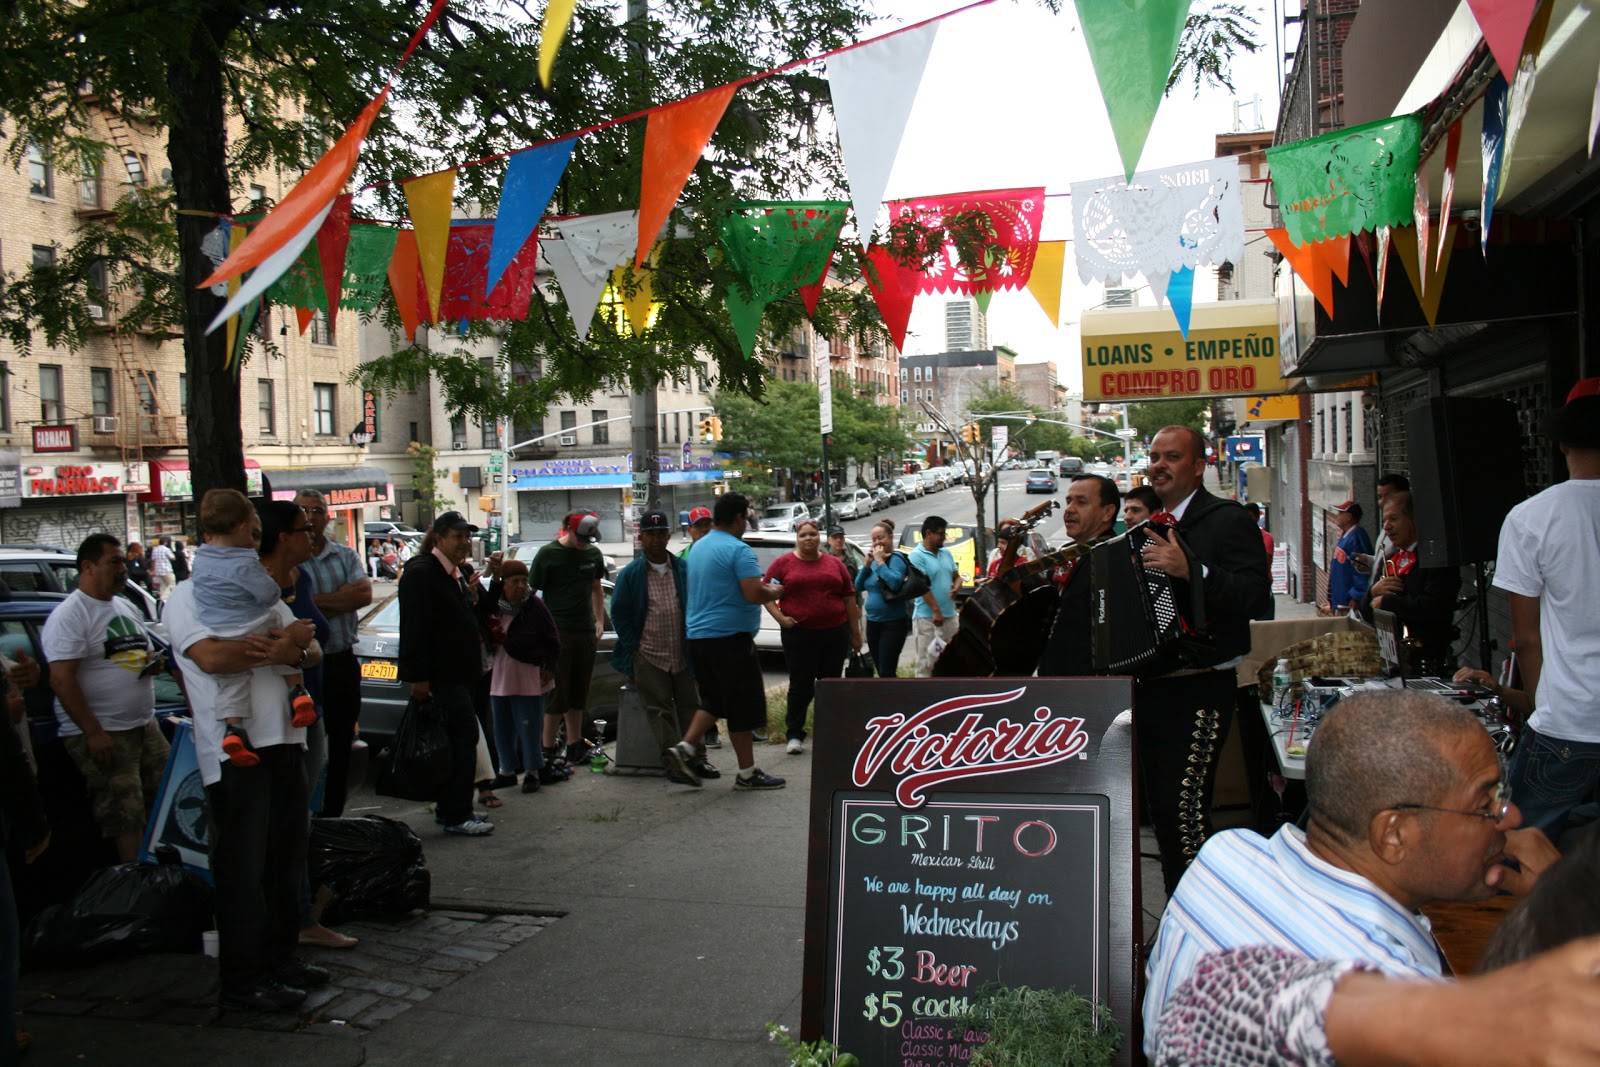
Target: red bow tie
x=1163, y=518
x=1403, y=560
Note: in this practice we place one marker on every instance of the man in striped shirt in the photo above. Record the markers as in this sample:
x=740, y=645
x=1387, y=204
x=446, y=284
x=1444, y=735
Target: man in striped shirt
x=1406, y=803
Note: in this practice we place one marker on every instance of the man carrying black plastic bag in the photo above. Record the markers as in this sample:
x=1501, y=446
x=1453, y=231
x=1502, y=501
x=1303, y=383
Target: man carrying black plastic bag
x=441, y=655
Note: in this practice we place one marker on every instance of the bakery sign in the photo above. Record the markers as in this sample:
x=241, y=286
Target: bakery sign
x=78, y=479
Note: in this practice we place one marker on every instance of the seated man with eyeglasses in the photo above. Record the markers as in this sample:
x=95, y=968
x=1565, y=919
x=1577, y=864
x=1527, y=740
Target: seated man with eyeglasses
x=1406, y=804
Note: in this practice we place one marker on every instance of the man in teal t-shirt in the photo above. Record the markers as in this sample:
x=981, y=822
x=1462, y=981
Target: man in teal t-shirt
x=567, y=573
x=933, y=620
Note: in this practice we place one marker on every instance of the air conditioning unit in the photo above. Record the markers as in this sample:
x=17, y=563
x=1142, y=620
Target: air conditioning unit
x=96, y=312
x=459, y=446
x=568, y=438
x=104, y=423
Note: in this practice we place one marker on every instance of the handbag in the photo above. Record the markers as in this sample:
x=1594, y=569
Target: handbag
x=915, y=585
x=860, y=665
x=419, y=761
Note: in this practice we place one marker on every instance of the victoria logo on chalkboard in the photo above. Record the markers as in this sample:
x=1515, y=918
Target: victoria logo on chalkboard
x=949, y=740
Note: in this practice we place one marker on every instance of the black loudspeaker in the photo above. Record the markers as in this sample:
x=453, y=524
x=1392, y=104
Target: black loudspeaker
x=1466, y=473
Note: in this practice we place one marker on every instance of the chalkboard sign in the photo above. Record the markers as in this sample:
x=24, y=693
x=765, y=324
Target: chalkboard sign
x=963, y=832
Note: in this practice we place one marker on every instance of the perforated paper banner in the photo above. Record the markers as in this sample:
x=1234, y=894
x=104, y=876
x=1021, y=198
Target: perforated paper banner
x=466, y=296
x=781, y=245
x=1347, y=181
x=1013, y=218
x=590, y=246
x=301, y=285
x=1159, y=221
x=366, y=266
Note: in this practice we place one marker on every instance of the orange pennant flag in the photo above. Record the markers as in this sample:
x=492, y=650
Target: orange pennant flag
x=674, y=137
x=1429, y=286
x=1308, y=262
x=310, y=196
x=1045, y=281
x=428, y=199
x=403, y=280
x=1335, y=252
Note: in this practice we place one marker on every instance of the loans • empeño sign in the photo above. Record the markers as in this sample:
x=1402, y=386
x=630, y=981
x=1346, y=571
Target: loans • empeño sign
x=1139, y=354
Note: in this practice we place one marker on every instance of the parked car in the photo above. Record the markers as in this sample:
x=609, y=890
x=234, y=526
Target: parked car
x=55, y=570
x=960, y=539
x=526, y=550
x=897, y=491
x=1041, y=481
x=880, y=499
x=782, y=517
x=914, y=485
x=391, y=529
x=769, y=546
x=856, y=504
x=384, y=695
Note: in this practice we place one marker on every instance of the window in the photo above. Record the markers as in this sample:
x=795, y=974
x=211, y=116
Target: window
x=137, y=165
x=49, y=394
x=98, y=284
x=916, y=374
x=1119, y=298
x=929, y=375
x=322, y=401
x=602, y=434
x=145, y=383
x=258, y=193
x=705, y=377
x=44, y=256
x=413, y=431
x=904, y=374
x=89, y=187
x=321, y=331
x=458, y=432
x=41, y=176
x=100, y=390
x=183, y=395
x=905, y=397
x=5, y=397
x=569, y=421
x=266, y=407
x=677, y=428
x=489, y=434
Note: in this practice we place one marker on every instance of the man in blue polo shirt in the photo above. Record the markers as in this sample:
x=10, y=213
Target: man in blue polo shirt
x=725, y=597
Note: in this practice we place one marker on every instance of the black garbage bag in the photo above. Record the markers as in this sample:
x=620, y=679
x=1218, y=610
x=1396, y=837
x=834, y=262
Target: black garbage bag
x=125, y=910
x=419, y=760
x=371, y=866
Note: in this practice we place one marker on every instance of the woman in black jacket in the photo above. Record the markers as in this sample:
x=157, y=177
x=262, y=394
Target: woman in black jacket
x=526, y=646
x=21, y=817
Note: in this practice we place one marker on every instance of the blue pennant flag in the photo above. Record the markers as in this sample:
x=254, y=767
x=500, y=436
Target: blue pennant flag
x=1494, y=151
x=1180, y=294
x=531, y=178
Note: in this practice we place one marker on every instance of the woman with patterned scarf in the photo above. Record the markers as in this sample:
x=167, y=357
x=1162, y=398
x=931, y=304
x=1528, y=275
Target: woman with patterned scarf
x=526, y=646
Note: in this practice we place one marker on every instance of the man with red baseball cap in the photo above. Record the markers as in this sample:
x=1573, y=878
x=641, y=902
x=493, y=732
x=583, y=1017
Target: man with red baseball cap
x=699, y=526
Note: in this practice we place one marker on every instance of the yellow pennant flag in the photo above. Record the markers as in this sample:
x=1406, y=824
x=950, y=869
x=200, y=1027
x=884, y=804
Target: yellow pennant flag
x=1429, y=287
x=236, y=236
x=557, y=16
x=640, y=306
x=428, y=199
x=1045, y=281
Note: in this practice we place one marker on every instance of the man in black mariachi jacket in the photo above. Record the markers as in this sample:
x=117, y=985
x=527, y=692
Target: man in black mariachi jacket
x=1180, y=719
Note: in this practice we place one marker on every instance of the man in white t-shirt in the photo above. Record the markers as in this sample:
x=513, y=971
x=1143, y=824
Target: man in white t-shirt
x=256, y=811
x=1549, y=566
x=101, y=665
x=161, y=569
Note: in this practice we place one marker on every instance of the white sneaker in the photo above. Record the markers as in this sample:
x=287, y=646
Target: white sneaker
x=794, y=748
x=471, y=828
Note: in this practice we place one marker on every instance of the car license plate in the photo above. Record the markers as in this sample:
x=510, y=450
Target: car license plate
x=380, y=669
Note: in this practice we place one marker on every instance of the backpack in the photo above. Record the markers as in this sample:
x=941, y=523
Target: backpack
x=915, y=585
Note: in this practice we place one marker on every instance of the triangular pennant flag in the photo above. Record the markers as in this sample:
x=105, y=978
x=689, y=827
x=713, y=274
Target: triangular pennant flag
x=366, y=265
x=236, y=235
x=894, y=287
x=531, y=178
x=465, y=298
x=303, y=317
x=1158, y=280
x=403, y=280
x=640, y=301
x=1364, y=242
x=1383, y=264
x=1049, y=263
x=241, y=327
x=1132, y=44
x=1594, y=116
x=1452, y=155
x=1335, y=253
x=778, y=246
x=272, y=267
x=308, y=200
x=1504, y=24
x=812, y=292
x=1427, y=283
x=333, y=239
x=1011, y=219
x=1494, y=150
x=745, y=311
x=1523, y=86
x=557, y=16
x=1306, y=261
x=1420, y=216
x=674, y=137
x=429, y=199
x=582, y=260
x=982, y=298
x=873, y=88
x=1180, y=293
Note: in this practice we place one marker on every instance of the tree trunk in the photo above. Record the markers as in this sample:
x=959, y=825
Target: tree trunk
x=197, y=150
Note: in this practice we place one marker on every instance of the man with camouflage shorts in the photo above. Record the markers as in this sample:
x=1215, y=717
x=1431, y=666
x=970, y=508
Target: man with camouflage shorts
x=567, y=573
x=102, y=663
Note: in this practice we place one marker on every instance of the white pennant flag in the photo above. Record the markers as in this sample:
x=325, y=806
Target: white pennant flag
x=271, y=269
x=590, y=247
x=873, y=88
x=1159, y=221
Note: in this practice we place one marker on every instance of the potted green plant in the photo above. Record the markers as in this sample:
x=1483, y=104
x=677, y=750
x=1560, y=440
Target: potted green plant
x=818, y=1053
x=1027, y=1027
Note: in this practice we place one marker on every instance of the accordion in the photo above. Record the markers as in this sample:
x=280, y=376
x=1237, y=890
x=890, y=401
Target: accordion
x=1145, y=623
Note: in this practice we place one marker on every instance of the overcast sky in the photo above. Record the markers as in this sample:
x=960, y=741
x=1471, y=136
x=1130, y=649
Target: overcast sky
x=1010, y=99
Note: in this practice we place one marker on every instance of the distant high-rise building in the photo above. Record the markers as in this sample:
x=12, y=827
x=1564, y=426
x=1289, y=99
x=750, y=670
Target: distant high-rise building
x=966, y=327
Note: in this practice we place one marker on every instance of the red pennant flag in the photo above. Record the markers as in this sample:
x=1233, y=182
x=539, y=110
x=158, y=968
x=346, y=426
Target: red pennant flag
x=1452, y=155
x=466, y=273
x=674, y=137
x=894, y=287
x=332, y=241
x=1307, y=261
x=811, y=293
x=304, y=316
x=1363, y=243
x=1504, y=24
x=403, y=274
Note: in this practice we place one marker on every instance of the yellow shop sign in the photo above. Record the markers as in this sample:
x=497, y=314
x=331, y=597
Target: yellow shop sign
x=1139, y=354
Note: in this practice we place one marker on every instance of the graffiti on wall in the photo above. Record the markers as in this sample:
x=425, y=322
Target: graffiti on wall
x=64, y=527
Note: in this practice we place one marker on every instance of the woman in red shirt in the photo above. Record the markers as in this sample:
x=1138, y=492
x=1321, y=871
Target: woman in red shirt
x=820, y=618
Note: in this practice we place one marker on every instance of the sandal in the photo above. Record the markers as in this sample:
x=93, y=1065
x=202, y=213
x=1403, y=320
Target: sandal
x=489, y=800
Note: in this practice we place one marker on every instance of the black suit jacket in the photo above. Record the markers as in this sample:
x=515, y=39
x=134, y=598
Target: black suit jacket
x=439, y=641
x=1426, y=604
x=1238, y=582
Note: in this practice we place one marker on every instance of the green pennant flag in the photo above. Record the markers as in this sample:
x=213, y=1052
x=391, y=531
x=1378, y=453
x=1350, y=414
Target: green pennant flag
x=746, y=315
x=301, y=285
x=1132, y=44
x=777, y=247
x=982, y=298
x=366, y=266
x=1348, y=181
x=241, y=336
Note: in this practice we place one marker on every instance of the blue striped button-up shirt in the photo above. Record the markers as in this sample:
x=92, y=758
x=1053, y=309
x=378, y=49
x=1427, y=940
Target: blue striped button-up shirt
x=1244, y=889
x=331, y=568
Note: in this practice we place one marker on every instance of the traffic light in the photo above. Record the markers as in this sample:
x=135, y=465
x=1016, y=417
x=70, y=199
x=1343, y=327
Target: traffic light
x=716, y=427
x=705, y=427
x=971, y=433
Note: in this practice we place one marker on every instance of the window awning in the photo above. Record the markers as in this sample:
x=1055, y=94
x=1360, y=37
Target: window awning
x=169, y=481
x=344, y=488
x=10, y=479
